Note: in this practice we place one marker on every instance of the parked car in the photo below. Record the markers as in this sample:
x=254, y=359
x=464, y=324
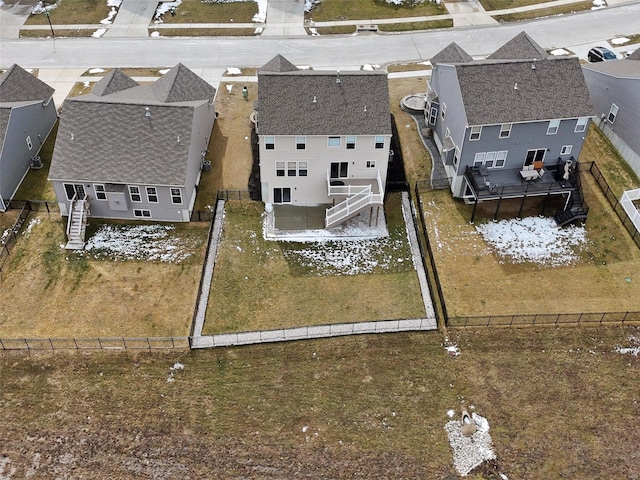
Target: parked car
x=601, y=54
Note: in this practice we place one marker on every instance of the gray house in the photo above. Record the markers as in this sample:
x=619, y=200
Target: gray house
x=511, y=125
x=27, y=116
x=324, y=139
x=134, y=151
x=615, y=92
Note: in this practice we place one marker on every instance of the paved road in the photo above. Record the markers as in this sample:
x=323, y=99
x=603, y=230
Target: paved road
x=322, y=51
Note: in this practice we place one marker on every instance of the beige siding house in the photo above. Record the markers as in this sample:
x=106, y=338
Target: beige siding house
x=324, y=138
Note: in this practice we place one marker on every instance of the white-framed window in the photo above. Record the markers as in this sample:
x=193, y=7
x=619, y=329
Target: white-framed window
x=566, y=149
x=134, y=193
x=339, y=170
x=612, y=113
x=142, y=213
x=152, y=194
x=270, y=143
x=176, y=196
x=552, y=129
x=282, y=195
x=292, y=169
x=581, y=124
x=100, y=192
x=433, y=115
x=303, y=168
x=333, y=142
x=280, y=169
x=443, y=111
x=379, y=142
x=72, y=189
x=29, y=143
x=535, y=155
x=475, y=133
x=351, y=142
x=301, y=143
x=478, y=160
x=505, y=130
x=456, y=157
x=371, y=164
x=491, y=159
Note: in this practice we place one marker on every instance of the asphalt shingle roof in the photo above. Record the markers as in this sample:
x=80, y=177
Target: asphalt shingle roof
x=452, y=53
x=114, y=81
x=111, y=139
x=627, y=68
x=278, y=64
x=18, y=85
x=311, y=102
x=635, y=55
x=522, y=91
x=522, y=46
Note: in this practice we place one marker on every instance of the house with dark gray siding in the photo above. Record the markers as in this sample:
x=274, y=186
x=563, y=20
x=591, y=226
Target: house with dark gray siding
x=134, y=151
x=614, y=88
x=324, y=139
x=27, y=116
x=508, y=126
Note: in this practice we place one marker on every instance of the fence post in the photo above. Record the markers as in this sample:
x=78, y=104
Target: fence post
x=623, y=318
x=2, y=344
x=51, y=343
x=534, y=319
x=580, y=318
x=148, y=343
x=75, y=343
x=100, y=343
x=26, y=344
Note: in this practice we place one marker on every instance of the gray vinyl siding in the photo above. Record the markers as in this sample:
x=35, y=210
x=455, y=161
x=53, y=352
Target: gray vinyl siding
x=449, y=94
x=606, y=90
x=524, y=137
x=34, y=121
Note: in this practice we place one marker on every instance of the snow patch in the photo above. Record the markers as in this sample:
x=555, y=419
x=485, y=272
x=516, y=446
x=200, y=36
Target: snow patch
x=97, y=70
x=559, y=52
x=233, y=71
x=534, y=239
x=620, y=40
x=98, y=33
x=633, y=349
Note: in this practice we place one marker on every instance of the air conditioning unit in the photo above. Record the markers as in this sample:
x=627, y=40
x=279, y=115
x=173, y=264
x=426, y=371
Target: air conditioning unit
x=36, y=162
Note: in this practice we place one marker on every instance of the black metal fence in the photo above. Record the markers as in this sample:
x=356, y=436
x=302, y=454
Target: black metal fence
x=429, y=262
x=545, y=319
x=614, y=202
x=11, y=235
x=100, y=343
x=227, y=195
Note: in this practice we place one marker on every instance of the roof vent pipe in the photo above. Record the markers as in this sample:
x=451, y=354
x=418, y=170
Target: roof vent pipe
x=338, y=77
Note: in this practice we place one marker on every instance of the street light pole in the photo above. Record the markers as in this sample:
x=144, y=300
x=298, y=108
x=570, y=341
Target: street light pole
x=46, y=12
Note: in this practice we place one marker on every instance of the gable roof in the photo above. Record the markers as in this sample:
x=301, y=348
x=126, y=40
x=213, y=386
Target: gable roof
x=311, y=102
x=522, y=46
x=625, y=68
x=278, y=64
x=128, y=136
x=18, y=85
x=452, y=53
x=182, y=85
x=114, y=81
x=522, y=91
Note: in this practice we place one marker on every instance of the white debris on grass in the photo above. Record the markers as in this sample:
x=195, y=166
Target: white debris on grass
x=633, y=349
x=534, y=239
x=452, y=350
x=620, y=40
x=177, y=366
x=470, y=452
x=98, y=33
x=234, y=71
x=32, y=223
x=559, y=52
x=451, y=413
x=229, y=87
x=138, y=242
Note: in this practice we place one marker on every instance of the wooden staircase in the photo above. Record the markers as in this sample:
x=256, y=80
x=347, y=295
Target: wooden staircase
x=77, y=223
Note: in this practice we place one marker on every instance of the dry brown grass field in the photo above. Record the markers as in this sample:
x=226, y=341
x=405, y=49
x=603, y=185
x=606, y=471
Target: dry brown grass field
x=561, y=403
